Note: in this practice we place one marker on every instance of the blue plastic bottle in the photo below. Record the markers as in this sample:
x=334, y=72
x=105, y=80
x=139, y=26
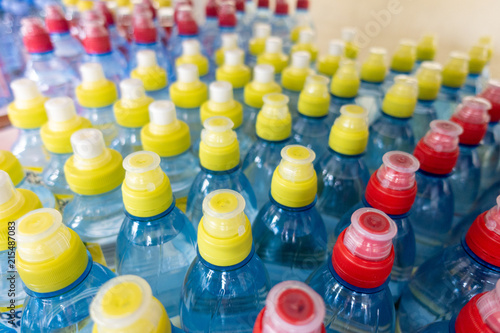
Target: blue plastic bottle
x=290, y=235
x=294, y=77
x=227, y=283
x=353, y=283
x=443, y=284
x=402, y=61
x=343, y=88
x=302, y=16
x=11, y=54
x=257, y=43
x=392, y=189
x=392, y=130
x=60, y=277
x=263, y=13
x=118, y=42
x=342, y=172
x=156, y=241
x=235, y=72
x=94, y=173
x=282, y=24
x=154, y=78
x=210, y=29
x=191, y=54
x=478, y=58
x=227, y=25
x=432, y=212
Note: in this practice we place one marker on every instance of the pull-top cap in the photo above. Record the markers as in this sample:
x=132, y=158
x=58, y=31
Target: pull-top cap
x=274, y=122
x=306, y=36
x=186, y=24
x=263, y=83
x=455, y=70
x=211, y=9
x=263, y=4
x=146, y=58
x=24, y=90
x=132, y=109
x=218, y=132
x=55, y=20
x=492, y=94
x=227, y=15
x=296, y=163
x=95, y=91
x=10, y=164
x=221, y=92
x=443, y=136
x=472, y=116
x=190, y=47
x=221, y=103
x=489, y=308
x=7, y=188
x=374, y=68
x=401, y=98
x=144, y=28
x=274, y=45
x=35, y=38
x=314, y=100
x=345, y=81
x=349, y=133
x=478, y=57
x=301, y=59
x=27, y=110
x=429, y=80
x=91, y=72
x=426, y=47
x=187, y=73
x=292, y=307
x=229, y=41
x=263, y=73
x=153, y=77
x=104, y=9
x=88, y=144
x=336, y=47
x=92, y=16
x=233, y=57
x=60, y=109
x=219, y=148
x=261, y=30
x=404, y=58
x=348, y=34
x=240, y=6
x=281, y=7
x=96, y=38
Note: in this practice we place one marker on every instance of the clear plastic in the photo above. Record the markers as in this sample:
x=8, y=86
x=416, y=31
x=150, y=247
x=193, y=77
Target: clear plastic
x=282, y=25
x=29, y=150
x=299, y=61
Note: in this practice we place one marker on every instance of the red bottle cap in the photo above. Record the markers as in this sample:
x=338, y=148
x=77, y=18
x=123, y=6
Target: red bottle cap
x=144, y=28
x=35, y=38
x=211, y=9
x=181, y=4
x=438, y=150
x=102, y=8
x=492, y=94
x=473, y=116
x=96, y=38
x=227, y=16
x=363, y=254
x=302, y=4
x=483, y=236
x=392, y=188
x=263, y=4
x=186, y=24
x=240, y=5
x=55, y=20
x=281, y=7
x=146, y=4
x=93, y=16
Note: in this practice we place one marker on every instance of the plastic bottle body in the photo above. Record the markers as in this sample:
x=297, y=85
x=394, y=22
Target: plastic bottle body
x=160, y=94
x=472, y=85
x=159, y=249
x=282, y=25
x=250, y=121
x=114, y=66
x=29, y=150
x=5, y=301
x=444, y=326
x=447, y=101
x=54, y=179
x=191, y=116
x=11, y=54
x=118, y=42
x=208, y=35
x=312, y=132
x=68, y=48
x=104, y=120
x=127, y=140
x=425, y=112
x=489, y=153
x=370, y=96
x=293, y=101
x=43, y=193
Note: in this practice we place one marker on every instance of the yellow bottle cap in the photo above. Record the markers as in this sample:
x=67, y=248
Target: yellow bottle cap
x=70, y=3
x=404, y=58
x=273, y=55
x=123, y=3
x=132, y=109
x=349, y=134
x=191, y=54
x=263, y=83
x=93, y=169
x=274, y=122
x=294, y=76
x=27, y=111
x=487, y=41
x=229, y=42
x=257, y=44
x=478, y=58
x=188, y=92
x=351, y=48
x=294, y=181
x=219, y=148
x=146, y=189
x=153, y=77
x=455, y=70
x=345, y=82
x=95, y=91
x=126, y=304
x=221, y=103
x=306, y=43
x=49, y=255
x=374, y=68
x=84, y=5
x=429, y=80
x=224, y=232
x=10, y=164
x=234, y=70
x=165, y=134
x=63, y=122
x=426, y=47
x=401, y=99
x=294, y=34
x=314, y=100
x=329, y=63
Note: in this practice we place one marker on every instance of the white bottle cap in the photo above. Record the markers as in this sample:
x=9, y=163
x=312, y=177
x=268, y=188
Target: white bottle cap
x=91, y=72
x=146, y=58
x=190, y=47
x=336, y=47
x=132, y=89
x=24, y=90
x=274, y=45
x=60, y=109
x=263, y=73
x=229, y=41
x=348, y=34
x=233, y=57
x=301, y=59
x=88, y=143
x=221, y=92
x=162, y=113
x=306, y=36
x=7, y=188
x=261, y=30
x=407, y=42
x=187, y=73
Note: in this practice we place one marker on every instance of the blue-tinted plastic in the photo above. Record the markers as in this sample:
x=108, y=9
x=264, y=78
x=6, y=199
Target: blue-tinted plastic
x=118, y=42
x=160, y=94
x=193, y=119
x=447, y=101
x=104, y=120
x=471, y=86
x=181, y=171
x=208, y=181
x=425, y=112
x=444, y=326
x=259, y=165
x=281, y=27
x=351, y=309
x=312, y=132
x=336, y=103
x=290, y=241
x=387, y=134
x=489, y=154
x=159, y=249
x=6, y=281
x=68, y=48
x=11, y=55
x=43, y=193
x=208, y=34
x=127, y=141
x=29, y=149
x=370, y=97
x=262, y=15
x=53, y=174
x=443, y=285
x=342, y=182
x=250, y=121
x=431, y=214
x=68, y=311
x=113, y=64
x=293, y=101
x=223, y=299
x=161, y=57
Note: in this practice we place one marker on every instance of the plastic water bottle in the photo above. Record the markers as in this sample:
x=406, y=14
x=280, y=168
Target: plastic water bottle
x=487, y=41
x=489, y=151
x=56, y=134
x=371, y=92
x=227, y=25
x=342, y=172
x=274, y=55
x=222, y=104
x=392, y=130
x=68, y=281
x=426, y=49
x=229, y=41
x=257, y=44
x=131, y=114
x=432, y=212
x=478, y=57
x=156, y=241
x=429, y=82
x=328, y=64
x=187, y=28
x=235, y=72
x=11, y=53
x=472, y=116
x=294, y=77
x=220, y=168
x=344, y=87
x=191, y=54
x=118, y=42
x=351, y=48
x=302, y=19
x=53, y=75
x=306, y=43
x=170, y=139
x=225, y=253
x=14, y=203
x=96, y=95
x=291, y=306
x=444, y=283
x=392, y=189
x=94, y=173
x=454, y=75
x=246, y=23
x=262, y=84
x=154, y=78
x=27, y=113
x=66, y=46
x=146, y=38
x=291, y=211
x=126, y=303
x=210, y=29
x=353, y=283
x=165, y=24
x=313, y=124
x=263, y=13
x=402, y=61
x=282, y=24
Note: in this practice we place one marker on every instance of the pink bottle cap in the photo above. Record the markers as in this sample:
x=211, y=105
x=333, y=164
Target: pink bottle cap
x=96, y=38
x=489, y=308
x=102, y=8
x=55, y=20
x=443, y=136
x=240, y=6
x=186, y=24
x=281, y=7
x=227, y=15
x=144, y=28
x=92, y=16
x=492, y=94
x=211, y=9
x=473, y=116
x=35, y=38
